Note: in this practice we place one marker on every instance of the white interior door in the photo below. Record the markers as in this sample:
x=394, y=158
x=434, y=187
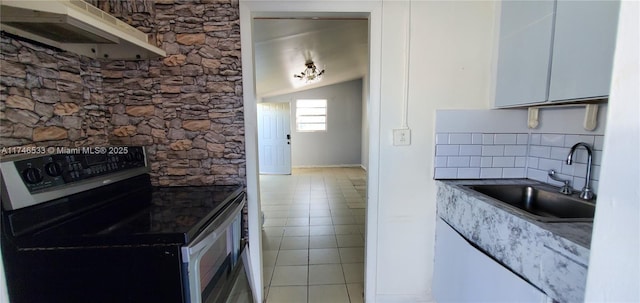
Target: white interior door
x=274, y=138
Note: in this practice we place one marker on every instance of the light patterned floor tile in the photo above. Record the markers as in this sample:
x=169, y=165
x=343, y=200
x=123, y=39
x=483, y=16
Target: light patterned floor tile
x=289, y=275
x=287, y=294
x=326, y=274
x=328, y=294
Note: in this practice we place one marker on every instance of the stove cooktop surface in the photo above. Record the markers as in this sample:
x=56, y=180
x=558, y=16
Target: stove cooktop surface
x=176, y=210
x=139, y=215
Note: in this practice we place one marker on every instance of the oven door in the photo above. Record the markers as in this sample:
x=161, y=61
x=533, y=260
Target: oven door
x=208, y=262
x=239, y=289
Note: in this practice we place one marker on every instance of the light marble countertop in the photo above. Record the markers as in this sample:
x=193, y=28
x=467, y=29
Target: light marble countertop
x=552, y=256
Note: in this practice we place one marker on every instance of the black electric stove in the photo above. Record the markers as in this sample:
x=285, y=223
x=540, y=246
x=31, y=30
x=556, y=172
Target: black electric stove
x=129, y=212
x=107, y=235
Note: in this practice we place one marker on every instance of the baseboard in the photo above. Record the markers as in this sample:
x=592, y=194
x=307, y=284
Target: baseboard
x=402, y=298
x=328, y=166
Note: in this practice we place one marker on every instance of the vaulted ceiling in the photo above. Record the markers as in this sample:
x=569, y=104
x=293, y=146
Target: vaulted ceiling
x=282, y=46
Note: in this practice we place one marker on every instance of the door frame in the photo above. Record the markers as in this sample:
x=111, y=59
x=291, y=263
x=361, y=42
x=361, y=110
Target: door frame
x=372, y=10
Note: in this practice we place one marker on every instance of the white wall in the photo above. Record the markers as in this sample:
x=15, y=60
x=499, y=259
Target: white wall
x=614, y=263
x=450, y=64
x=341, y=143
x=450, y=67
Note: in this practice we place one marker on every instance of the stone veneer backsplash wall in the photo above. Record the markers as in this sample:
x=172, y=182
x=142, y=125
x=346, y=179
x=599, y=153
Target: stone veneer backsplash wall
x=50, y=98
x=186, y=108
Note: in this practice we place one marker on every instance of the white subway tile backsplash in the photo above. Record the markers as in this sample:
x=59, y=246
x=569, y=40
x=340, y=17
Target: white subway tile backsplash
x=459, y=138
x=491, y=173
x=581, y=156
x=447, y=150
x=598, y=143
x=570, y=140
x=470, y=150
x=579, y=169
x=567, y=169
x=458, y=161
x=440, y=161
x=535, y=139
x=548, y=164
x=597, y=158
x=536, y=174
x=504, y=161
x=476, y=138
x=559, y=153
x=442, y=138
x=594, y=186
x=505, y=139
x=515, y=150
x=487, y=139
x=493, y=150
x=505, y=155
x=552, y=140
x=446, y=173
x=540, y=151
x=523, y=139
x=578, y=183
x=513, y=172
x=469, y=173
x=595, y=172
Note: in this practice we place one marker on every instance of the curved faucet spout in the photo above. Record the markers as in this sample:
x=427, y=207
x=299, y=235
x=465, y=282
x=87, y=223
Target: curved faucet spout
x=587, y=193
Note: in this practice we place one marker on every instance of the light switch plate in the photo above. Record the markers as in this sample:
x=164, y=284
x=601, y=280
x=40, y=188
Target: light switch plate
x=401, y=136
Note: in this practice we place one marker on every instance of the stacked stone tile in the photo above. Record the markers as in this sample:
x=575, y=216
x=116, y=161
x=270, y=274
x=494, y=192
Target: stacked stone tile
x=186, y=108
x=50, y=98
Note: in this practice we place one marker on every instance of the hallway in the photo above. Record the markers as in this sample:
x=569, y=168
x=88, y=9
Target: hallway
x=313, y=235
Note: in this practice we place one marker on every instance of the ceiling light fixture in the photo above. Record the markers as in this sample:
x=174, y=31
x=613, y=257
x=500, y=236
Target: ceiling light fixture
x=310, y=73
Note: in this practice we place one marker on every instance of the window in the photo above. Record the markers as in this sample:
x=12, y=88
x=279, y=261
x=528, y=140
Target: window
x=311, y=115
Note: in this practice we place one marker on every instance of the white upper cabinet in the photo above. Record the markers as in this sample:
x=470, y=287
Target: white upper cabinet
x=584, y=41
x=526, y=29
x=555, y=51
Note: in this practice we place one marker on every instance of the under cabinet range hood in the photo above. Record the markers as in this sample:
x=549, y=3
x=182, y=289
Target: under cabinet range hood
x=76, y=26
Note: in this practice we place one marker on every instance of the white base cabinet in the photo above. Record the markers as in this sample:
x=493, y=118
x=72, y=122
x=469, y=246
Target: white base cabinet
x=465, y=274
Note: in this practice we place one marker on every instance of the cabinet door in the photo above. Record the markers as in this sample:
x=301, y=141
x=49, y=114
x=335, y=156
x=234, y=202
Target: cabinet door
x=464, y=274
x=584, y=41
x=524, y=52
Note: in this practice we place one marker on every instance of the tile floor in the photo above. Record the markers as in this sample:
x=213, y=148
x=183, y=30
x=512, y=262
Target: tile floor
x=313, y=235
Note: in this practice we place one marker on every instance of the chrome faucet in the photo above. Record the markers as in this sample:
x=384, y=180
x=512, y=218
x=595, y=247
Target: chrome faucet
x=586, y=193
x=566, y=188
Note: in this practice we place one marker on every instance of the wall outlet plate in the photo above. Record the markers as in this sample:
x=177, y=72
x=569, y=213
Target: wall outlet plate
x=401, y=136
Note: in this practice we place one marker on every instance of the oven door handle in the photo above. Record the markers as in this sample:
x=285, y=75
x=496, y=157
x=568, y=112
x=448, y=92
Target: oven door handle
x=208, y=238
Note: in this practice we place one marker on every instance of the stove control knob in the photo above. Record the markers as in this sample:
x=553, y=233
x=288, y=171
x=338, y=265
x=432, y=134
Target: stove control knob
x=139, y=156
x=129, y=157
x=53, y=169
x=32, y=175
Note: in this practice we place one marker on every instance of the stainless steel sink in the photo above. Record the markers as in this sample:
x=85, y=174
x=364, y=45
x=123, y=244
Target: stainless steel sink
x=540, y=203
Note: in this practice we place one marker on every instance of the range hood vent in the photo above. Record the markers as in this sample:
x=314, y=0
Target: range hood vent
x=76, y=26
